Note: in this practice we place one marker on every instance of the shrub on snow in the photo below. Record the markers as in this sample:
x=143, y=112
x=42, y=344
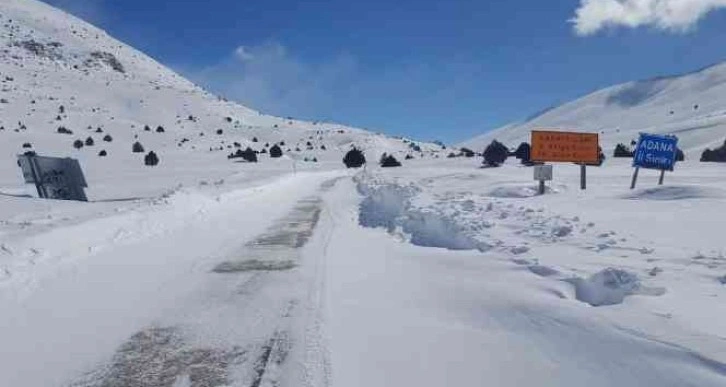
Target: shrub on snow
x=275, y=151
x=495, y=154
x=354, y=158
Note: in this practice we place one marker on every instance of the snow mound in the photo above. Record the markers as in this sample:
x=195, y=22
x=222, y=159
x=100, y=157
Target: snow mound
x=543, y=271
x=389, y=206
x=610, y=287
x=675, y=193
x=607, y=287
x=516, y=191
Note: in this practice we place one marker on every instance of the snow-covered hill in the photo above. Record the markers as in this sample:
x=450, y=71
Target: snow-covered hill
x=58, y=73
x=692, y=106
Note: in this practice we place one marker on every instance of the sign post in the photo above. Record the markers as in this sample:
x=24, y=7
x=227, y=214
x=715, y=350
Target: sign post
x=574, y=147
x=542, y=173
x=54, y=178
x=655, y=152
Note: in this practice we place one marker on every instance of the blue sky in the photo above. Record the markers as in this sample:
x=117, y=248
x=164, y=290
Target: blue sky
x=429, y=69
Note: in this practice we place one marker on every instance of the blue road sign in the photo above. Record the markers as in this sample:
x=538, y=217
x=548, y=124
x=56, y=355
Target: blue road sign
x=656, y=152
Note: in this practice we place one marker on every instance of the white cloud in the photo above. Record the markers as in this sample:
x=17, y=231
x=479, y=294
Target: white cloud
x=243, y=53
x=269, y=78
x=593, y=16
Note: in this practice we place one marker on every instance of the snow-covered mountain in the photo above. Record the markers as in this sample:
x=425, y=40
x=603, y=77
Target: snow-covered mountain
x=691, y=106
x=63, y=80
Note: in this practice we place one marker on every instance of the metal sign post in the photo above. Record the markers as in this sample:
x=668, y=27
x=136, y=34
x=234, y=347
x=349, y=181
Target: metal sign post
x=583, y=176
x=635, y=178
x=542, y=173
x=655, y=152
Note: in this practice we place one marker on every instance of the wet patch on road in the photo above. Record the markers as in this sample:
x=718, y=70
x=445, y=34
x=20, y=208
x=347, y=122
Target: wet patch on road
x=253, y=265
x=276, y=249
x=159, y=357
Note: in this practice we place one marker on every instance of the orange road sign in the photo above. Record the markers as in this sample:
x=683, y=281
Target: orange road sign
x=570, y=147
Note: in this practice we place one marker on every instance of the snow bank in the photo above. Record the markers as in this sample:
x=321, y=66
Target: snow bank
x=607, y=287
x=675, y=193
x=610, y=287
x=389, y=206
x=516, y=191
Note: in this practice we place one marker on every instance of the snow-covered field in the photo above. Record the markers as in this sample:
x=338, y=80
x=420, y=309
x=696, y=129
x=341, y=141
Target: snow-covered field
x=434, y=273
x=206, y=272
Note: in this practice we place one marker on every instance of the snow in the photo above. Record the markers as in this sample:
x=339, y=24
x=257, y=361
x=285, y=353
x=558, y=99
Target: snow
x=203, y=271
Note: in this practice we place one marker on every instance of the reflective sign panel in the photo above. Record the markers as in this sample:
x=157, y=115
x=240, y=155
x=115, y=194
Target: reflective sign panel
x=571, y=147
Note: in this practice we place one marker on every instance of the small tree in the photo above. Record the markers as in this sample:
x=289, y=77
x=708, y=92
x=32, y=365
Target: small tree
x=523, y=152
x=275, y=152
x=151, y=159
x=249, y=155
x=354, y=158
x=147, y=128
x=102, y=153
x=107, y=138
x=680, y=156
x=717, y=155
x=89, y=141
x=160, y=129
x=622, y=150
x=495, y=154
x=254, y=139
x=220, y=132
x=78, y=144
x=137, y=148
x=388, y=161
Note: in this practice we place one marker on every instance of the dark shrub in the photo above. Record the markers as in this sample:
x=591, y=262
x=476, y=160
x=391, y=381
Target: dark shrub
x=89, y=141
x=354, y=158
x=78, y=144
x=263, y=150
x=102, y=153
x=220, y=131
x=64, y=130
x=107, y=138
x=409, y=157
x=275, y=151
x=237, y=145
x=495, y=154
x=717, y=155
x=27, y=145
x=322, y=147
x=137, y=148
x=248, y=155
x=680, y=156
x=622, y=150
x=147, y=128
x=388, y=161
x=99, y=130
x=160, y=129
x=523, y=152
x=254, y=139
x=451, y=155
x=466, y=152
x=151, y=159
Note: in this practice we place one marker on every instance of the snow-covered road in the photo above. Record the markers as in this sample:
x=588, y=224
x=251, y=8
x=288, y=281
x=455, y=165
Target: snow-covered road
x=155, y=310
